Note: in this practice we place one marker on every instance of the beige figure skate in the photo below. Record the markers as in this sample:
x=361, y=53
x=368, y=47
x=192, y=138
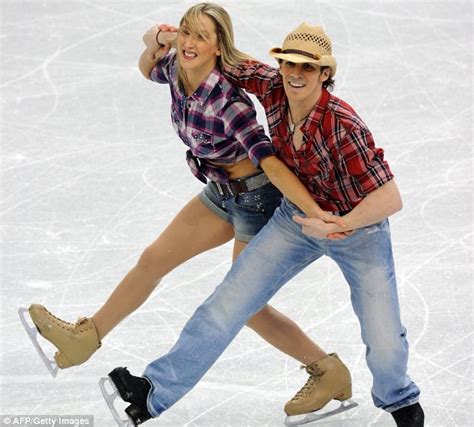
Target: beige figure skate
x=329, y=380
x=76, y=342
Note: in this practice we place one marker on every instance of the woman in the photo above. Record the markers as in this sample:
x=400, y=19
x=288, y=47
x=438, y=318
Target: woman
x=227, y=146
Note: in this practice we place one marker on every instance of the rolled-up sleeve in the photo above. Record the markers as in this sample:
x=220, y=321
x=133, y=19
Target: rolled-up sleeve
x=240, y=121
x=161, y=72
x=253, y=76
x=363, y=161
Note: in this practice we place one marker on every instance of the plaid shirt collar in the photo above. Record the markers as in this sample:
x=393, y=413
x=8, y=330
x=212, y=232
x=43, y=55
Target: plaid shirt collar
x=313, y=121
x=205, y=89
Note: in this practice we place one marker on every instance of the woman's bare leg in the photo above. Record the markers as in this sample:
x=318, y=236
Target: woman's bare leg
x=280, y=331
x=194, y=230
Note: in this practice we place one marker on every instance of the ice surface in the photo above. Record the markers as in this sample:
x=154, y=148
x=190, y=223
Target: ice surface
x=92, y=172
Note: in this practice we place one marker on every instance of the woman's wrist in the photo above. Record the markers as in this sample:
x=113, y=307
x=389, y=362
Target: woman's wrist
x=157, y=38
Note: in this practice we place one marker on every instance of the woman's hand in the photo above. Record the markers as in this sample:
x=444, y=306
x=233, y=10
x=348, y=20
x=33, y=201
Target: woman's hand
x=160, y=37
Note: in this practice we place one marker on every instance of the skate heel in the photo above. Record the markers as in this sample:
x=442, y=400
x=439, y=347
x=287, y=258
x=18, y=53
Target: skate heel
x=136, y=414
x=62, y=361
x=345, y=394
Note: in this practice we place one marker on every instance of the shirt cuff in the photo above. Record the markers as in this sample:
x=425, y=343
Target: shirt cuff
x=375, y=177
x=260, y=151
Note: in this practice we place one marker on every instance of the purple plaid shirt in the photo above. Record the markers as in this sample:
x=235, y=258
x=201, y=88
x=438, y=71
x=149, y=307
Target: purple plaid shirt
x=217, y=122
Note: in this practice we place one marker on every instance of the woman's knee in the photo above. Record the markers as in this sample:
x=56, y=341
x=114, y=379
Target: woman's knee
x=150, y=262
x=261, y=320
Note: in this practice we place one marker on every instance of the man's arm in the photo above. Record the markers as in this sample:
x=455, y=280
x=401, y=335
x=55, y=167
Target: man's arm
x=375, y=207
x=378, y=205
x=294, y=190
x=255, y=77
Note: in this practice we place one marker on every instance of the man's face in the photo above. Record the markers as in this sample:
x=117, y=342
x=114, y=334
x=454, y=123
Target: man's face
x=303, y=82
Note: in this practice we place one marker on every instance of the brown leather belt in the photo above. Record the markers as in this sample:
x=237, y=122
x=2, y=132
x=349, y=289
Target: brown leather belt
x=243, y=185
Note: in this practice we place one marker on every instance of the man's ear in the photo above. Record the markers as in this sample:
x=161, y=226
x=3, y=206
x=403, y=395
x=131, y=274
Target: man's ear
x=326, y=74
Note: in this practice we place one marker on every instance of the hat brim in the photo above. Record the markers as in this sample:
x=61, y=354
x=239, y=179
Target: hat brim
x=324, y=61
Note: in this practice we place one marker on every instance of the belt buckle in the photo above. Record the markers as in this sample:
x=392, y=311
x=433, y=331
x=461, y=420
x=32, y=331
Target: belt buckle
x=219, y=188
x=224, y=189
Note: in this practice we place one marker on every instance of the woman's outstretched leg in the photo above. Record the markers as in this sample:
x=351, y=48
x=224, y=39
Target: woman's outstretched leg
x=194, y=230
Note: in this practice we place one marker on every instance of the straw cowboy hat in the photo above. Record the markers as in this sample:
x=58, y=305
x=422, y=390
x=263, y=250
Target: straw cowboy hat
x=307, y=44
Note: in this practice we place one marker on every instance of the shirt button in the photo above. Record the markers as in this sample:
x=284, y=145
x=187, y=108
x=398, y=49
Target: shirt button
x=189, y=105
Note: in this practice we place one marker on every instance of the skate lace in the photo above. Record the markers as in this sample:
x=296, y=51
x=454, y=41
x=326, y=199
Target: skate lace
x=315, y=375
x=57, y=320
x=68, y=325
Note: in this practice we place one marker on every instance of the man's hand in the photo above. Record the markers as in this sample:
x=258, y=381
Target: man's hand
x=316, y=227
x=327, y=217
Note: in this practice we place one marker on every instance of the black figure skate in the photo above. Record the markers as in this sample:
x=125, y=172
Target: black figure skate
x=409, y=416
x=131, y=389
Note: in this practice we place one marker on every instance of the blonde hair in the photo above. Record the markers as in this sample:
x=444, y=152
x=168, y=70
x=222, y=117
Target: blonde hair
x=229, y=54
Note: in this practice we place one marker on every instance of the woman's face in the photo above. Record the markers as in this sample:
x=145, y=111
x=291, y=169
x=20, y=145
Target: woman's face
x=198, y=50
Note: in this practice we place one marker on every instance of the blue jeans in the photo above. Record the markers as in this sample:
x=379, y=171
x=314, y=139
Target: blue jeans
x=272, y=258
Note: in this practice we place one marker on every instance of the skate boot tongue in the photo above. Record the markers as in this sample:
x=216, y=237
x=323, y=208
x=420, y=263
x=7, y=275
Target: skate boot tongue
x=314, y=370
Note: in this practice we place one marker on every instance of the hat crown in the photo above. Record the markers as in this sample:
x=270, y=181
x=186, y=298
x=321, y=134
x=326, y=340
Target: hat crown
x=308, y=38
x=307, y=43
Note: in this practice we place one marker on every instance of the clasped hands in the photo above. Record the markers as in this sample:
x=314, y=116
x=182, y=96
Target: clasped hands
x=323, y=225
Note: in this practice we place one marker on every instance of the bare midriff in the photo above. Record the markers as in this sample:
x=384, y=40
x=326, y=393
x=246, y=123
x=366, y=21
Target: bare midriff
x=238, y=170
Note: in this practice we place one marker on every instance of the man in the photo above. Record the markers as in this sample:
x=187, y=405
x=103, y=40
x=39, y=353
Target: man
x=331, y=150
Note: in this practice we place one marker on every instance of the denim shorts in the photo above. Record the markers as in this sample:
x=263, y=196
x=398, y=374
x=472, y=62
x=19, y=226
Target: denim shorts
x=247, y=212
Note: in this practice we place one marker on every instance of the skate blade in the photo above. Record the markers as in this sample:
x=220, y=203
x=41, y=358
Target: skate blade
x=110, y=398
x=296, y=420
x=33, y=332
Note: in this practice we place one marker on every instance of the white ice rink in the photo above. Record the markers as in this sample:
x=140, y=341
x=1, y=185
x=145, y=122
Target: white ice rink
x=92, y=172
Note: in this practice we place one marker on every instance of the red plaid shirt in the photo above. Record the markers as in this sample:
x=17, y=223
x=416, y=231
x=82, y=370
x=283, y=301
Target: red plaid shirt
x=338, y=161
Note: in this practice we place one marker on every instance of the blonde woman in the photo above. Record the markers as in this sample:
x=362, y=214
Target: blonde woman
x=227, y=149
